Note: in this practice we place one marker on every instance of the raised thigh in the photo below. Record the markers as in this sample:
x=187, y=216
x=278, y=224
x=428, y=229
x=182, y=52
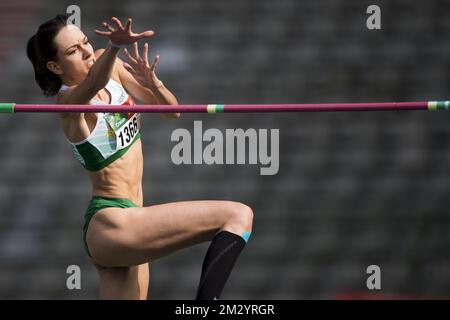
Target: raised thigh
x=131, y=236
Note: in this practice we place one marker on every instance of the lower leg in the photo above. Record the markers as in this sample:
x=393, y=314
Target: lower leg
x=218, y=264
x=222, y=254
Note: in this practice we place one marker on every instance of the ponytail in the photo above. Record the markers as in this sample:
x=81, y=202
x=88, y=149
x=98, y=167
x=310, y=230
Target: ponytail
x=42, y=49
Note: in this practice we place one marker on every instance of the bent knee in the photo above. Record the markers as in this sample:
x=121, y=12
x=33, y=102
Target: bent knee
x=240, y=214
x=247, y=217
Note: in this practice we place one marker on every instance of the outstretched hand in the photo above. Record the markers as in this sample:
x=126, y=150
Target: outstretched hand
x=122, y=36
x=142, y=71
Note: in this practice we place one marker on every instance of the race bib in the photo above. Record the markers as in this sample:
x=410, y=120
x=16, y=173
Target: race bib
x=125, y=126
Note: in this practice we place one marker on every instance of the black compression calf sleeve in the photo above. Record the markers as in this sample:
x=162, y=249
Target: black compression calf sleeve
x=219, y=261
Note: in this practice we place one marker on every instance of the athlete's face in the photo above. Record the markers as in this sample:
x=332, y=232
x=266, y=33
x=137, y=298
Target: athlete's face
x=75, y=54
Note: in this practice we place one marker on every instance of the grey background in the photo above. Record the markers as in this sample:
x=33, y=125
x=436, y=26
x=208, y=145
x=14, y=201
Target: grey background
x=354, y=189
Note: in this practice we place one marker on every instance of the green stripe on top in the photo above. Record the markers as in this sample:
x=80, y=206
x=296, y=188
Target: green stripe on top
x=214, y=108
x=438, y=105
x=7, y=107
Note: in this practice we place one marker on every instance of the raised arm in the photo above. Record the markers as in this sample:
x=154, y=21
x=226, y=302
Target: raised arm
x=139, y=78
x=101, y=71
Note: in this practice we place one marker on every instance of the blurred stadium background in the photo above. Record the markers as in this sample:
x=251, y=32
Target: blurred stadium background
x=354, y=189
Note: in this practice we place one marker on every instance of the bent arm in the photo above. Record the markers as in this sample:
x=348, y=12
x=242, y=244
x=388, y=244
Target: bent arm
x=160, y=95
x=97, y=79
x=101, y=71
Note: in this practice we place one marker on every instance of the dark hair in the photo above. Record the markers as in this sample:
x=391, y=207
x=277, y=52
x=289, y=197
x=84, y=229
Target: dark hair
x=41, y=48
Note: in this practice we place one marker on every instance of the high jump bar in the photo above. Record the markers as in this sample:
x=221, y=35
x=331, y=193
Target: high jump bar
x=228, y=108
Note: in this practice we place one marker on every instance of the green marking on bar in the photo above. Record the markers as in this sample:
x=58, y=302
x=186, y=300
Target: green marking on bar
x=432, y=105
x=219, y=108
x=438, y=105
x=214, y=108
x=7, y=107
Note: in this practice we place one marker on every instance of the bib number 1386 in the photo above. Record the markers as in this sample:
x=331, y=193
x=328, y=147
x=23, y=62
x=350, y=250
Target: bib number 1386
x=127, y=132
